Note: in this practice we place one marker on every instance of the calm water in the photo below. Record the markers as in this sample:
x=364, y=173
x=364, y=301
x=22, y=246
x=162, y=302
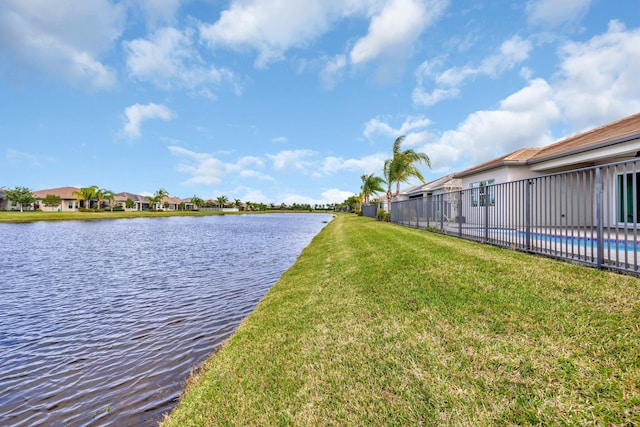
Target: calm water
x=101, y=322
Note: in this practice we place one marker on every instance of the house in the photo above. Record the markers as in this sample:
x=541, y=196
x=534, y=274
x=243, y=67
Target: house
x=69, y=201
x=140, y=203
x=618, y=141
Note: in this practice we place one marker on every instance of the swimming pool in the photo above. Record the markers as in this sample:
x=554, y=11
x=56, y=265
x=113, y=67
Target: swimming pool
x=514, y=235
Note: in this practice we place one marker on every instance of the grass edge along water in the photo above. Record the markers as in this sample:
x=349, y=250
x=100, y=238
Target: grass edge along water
x=386, y=325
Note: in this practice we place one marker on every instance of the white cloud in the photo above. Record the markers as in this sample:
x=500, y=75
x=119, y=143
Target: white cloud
x=553, y=13
x=334, y=195
x=332, y=71
x=511, y=53
x=255, y=196
x=65, y=38
x=422, y=97
x=279, y=139
x=270, y=26
x=598, y=79
x=167, y=58
x=296, y=159
x=367, y=164
x=137, y=113
x=203, y=167
x=394, y=30
x=158, y=11
x=523, y=120
x=411, y=125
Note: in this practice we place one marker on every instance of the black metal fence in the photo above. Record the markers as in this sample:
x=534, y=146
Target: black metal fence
x=589, y=215
x=370, y=210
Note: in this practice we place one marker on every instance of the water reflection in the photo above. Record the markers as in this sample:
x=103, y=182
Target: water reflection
x=101, y=322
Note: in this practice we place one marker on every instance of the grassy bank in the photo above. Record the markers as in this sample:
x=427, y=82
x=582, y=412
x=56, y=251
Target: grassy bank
x=382, y=325
x=32, y=216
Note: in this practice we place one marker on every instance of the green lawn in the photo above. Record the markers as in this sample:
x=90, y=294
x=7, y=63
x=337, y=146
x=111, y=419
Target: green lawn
x=378, y=324
x=31, y=216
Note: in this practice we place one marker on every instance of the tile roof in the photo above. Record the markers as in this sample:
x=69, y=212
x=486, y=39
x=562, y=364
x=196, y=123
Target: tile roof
x=134, y=197
x=65, y=193
x=518, y=157
x=609, y=134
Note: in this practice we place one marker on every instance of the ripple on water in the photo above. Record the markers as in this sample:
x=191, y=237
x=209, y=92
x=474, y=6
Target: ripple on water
x=101, y=322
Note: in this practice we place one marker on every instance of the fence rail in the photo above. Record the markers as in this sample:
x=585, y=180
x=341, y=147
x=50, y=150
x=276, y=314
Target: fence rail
x=589, y=215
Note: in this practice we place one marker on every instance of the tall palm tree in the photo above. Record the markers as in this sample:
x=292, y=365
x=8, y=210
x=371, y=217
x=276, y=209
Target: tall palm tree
x=87, y=194
x=401, y=167
x=371, y=184
x=158, y=197
x=108, y=195
x=222, y=201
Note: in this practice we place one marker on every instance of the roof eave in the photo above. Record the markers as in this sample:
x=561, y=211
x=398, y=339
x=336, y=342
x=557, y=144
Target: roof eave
x=612, y=141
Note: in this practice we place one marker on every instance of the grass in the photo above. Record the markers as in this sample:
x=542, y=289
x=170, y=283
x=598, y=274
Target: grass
x=377, y=324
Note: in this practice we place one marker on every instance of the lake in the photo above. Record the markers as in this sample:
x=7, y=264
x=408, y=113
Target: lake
x=101, y=322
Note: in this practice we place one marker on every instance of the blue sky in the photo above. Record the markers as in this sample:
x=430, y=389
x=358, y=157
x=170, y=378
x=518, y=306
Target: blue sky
x=292, y=101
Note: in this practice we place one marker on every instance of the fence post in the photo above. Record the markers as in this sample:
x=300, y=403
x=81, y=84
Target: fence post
x=460, y=214
x=527, y=214
x=599, y=228
x=442, y=212
x=486, y=214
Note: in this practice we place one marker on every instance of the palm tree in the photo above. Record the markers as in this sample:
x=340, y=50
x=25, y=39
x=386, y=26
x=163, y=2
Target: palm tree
x=371, y=184
x=196, y=201
x=104, y=194
x=87, y=194
x=401, y=167
x=238, y=203
x=222, y=201
x=158, y=197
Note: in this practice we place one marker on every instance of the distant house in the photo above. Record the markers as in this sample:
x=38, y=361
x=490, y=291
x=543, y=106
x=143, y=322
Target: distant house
x=141, y=203
x=69, y=201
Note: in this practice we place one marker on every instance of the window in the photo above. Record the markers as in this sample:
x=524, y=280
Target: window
x=628, y=187
x=483, y=193
x=70, y=204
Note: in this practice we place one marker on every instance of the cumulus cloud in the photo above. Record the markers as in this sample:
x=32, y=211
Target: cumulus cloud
x=552, y=13
x=598, y=79
x=411, y=126
x=367, y=164
x=158, y=11
x=334, y=195
x=138, y=113
x=205, y=169
x=395, y=28
x=270, y=26
x=512, y=52
x=279, y=139
x=524, y=119
x=167, y=58
x=296, y=159
x=65, y=38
